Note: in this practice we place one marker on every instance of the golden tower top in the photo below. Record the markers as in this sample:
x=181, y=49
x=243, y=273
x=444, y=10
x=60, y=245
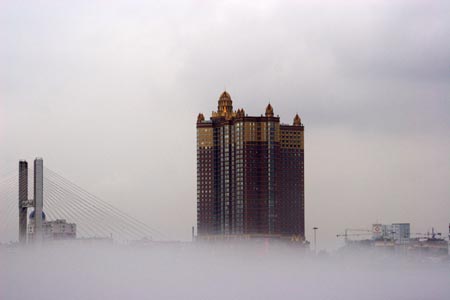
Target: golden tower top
x=297, y=120
x=225, y=106
x=269, y=111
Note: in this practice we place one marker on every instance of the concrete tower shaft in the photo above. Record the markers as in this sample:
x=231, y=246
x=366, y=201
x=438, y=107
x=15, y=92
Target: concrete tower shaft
x=23, y=198
x=38, y=197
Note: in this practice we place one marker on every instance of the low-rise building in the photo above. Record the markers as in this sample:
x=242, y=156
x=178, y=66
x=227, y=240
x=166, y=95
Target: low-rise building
x=53, y=230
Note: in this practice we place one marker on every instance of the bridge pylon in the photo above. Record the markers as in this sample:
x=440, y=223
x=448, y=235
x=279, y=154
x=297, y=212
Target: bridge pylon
x=23, y=201
x=37, y=203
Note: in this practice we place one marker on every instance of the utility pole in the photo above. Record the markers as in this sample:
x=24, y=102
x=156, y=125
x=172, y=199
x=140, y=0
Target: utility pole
x=315, y=240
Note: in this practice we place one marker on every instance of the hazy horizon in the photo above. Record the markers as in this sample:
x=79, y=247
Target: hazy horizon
x=108, y=94
x=194, y=272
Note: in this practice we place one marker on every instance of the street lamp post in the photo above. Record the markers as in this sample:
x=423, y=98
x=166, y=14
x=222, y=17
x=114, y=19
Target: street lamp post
x=315, y=240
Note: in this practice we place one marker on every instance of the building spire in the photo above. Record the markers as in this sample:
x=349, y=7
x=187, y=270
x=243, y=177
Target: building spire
x=269, y=110
x=225, y=104
x=200, y=118
x=297, y=120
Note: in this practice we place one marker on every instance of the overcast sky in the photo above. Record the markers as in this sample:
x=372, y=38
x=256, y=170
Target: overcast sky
x=108, y=93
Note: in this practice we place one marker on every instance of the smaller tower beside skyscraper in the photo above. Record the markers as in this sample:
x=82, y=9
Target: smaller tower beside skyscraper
x=250, y=174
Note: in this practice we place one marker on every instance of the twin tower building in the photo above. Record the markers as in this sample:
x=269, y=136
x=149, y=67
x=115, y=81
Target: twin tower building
x=250, y=175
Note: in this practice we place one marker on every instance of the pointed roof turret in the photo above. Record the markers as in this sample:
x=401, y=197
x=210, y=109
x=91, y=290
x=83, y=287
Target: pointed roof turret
x=200, y=118
x=297, y=120
x=225, y=104
x=225, y=96
x=269, y=111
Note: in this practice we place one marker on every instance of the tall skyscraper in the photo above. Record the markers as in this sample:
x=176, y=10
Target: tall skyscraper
x=250, y=174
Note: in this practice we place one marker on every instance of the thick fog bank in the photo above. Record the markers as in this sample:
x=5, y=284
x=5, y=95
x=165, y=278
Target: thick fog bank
x=119, y=272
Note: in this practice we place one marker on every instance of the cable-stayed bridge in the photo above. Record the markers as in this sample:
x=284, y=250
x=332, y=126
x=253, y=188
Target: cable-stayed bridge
x=63, y=199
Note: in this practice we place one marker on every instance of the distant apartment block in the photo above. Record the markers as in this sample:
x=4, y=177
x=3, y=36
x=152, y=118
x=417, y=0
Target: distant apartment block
x=397, y=232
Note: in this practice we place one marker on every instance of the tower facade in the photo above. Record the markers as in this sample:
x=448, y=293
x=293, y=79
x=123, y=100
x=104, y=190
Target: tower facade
x=250, y=174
